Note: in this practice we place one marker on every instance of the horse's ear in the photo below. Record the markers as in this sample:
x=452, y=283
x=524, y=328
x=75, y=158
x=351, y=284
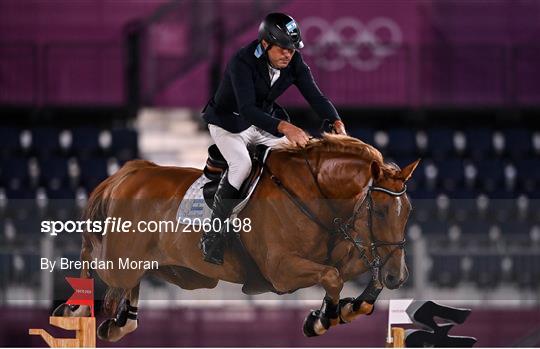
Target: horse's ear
x=375, y=170
x=406, y=173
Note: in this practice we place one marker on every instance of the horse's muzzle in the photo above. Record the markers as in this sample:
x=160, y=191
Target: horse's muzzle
x=393, y=281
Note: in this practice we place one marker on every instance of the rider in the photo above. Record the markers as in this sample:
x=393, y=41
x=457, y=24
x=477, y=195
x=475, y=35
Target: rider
x=243, y=111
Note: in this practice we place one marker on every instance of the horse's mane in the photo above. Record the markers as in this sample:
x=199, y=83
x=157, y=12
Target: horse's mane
x=345, y=145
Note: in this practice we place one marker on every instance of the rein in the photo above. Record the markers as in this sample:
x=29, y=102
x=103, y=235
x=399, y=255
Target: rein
x=343, y=229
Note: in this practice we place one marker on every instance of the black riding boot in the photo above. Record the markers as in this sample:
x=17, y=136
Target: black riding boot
x=213, y=242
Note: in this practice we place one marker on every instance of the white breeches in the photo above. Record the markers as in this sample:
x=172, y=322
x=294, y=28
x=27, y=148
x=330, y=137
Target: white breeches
x=233, y=147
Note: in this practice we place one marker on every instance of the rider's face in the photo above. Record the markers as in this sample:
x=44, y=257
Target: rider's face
x=279, y=57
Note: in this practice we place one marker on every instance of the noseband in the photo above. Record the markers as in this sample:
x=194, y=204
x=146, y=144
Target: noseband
x=344, y=228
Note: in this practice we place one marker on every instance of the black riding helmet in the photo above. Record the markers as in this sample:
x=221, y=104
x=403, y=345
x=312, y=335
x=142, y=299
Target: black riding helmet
x=281, y=30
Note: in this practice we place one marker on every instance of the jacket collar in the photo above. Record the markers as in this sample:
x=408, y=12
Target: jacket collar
x=262, y=66
x=262, y=63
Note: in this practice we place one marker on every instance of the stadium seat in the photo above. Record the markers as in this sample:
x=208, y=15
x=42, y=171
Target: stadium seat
x=450, y=174
x=63, y=192
x=526, y=270
x=422, y=193
x=23, y=268
x=490, y=174
x=92, y=172
x=518, y=143
x=502, y=209
x=6, y=267
x=476, y=226
x=363, y=134
x=479, y=142
x=528, y=173
x=62, y=207
x=54, y=172
x=25, y=228
x=515, y=228
x=45, y=142
x=401, y=142
x=440, y=143
x=14, y=173
x=435, y=227
x=503, y=193
x=446, y=270
x=85, y=142
x=10, y=142
x=462, y=205
x=21, y=194
x=124, y=144
x=486, y=270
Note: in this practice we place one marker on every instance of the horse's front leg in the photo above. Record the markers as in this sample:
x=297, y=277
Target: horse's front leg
x=319, y=321
x=293, y=272
x=350, y=308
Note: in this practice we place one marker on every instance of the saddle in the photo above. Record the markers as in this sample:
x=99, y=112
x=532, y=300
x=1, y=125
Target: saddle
x=216, y=166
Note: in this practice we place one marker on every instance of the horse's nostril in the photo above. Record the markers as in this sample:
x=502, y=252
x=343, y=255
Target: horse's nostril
x=391, y=281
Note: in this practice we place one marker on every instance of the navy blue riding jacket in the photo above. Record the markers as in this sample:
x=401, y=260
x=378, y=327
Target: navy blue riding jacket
x=244, y=96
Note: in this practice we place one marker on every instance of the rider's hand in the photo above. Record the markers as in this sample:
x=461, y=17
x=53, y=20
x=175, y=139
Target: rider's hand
x=339, y=127
x=295, y=135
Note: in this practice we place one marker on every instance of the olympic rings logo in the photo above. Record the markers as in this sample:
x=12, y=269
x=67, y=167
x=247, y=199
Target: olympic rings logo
x=349, y=41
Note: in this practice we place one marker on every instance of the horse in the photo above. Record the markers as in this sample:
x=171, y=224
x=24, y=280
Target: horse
x=322, y=214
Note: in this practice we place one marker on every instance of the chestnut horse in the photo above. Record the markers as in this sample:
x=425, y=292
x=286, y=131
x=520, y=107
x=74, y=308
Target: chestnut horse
x=320, y=215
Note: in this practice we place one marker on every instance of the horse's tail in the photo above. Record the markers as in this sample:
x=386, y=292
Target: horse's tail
x=98, y=202
x=97, y=208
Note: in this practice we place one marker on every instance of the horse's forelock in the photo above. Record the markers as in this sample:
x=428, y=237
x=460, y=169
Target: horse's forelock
x=391, y=170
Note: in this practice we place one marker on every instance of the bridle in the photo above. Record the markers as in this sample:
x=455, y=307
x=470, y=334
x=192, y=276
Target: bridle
x=343, y=228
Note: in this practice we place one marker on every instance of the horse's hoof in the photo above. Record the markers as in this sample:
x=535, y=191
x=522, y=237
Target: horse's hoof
x=315, y=325
x=363, y=307
x=110, y=331
x=103, y=330
x=345, y=308
x=62, y=310
x=66, y=310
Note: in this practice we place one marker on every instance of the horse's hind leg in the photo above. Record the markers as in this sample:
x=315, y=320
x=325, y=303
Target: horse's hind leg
x=67, y=310
x=125, y=321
